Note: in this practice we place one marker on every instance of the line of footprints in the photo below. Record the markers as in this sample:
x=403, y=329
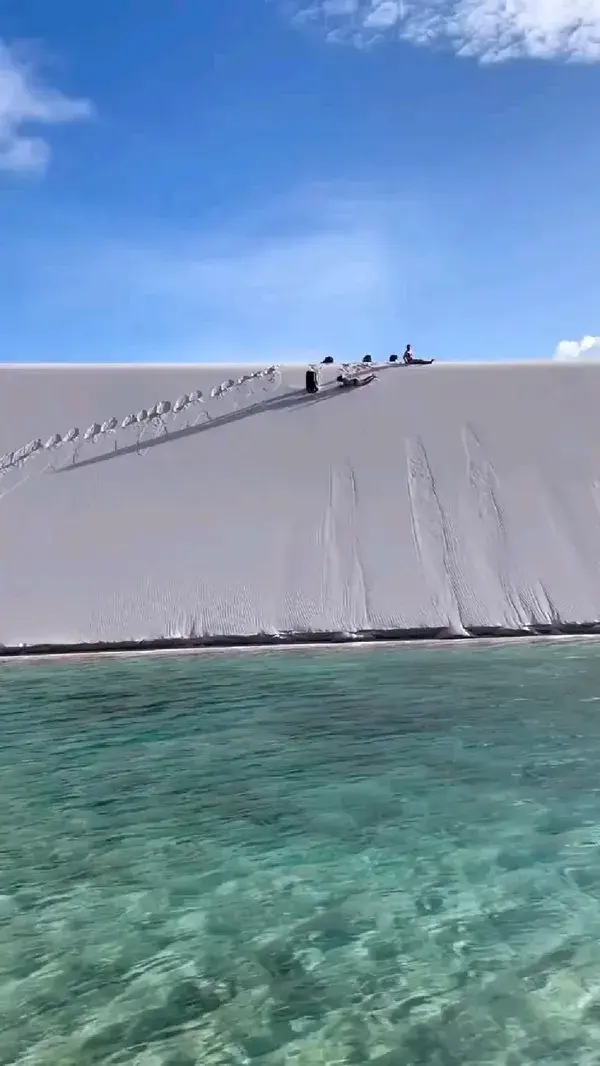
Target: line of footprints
x=155, y=418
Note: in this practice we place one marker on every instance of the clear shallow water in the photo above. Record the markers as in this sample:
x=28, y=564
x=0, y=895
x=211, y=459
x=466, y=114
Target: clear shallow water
x=316, y=857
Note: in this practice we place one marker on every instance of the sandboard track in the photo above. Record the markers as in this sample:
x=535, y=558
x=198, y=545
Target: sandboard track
x=569, y=531
x=343, y=579
x=485, y=496
x=359, y=583
x=432, y=537
x=25, y=475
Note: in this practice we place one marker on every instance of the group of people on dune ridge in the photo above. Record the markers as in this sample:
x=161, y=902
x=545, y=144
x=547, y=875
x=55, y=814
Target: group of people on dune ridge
x=353, y=376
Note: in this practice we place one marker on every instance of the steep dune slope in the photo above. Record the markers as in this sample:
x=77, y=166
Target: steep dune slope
x=459, y=497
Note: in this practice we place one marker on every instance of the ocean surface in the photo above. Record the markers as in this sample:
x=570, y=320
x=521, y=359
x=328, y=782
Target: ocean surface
x=386, y=855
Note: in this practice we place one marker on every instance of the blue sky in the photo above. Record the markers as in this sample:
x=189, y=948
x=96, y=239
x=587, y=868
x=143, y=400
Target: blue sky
x=188, y=180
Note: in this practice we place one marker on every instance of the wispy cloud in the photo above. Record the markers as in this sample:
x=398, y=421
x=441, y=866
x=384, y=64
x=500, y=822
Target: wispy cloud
x=25, y=102
x=249, y=280
x=491, y=30
x=336, y=273
x=587, y=348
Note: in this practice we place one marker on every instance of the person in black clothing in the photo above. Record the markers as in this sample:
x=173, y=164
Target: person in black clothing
x=312, y=380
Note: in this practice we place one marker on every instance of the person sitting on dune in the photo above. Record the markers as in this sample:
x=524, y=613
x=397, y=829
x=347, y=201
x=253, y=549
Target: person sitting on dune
x=409, y=360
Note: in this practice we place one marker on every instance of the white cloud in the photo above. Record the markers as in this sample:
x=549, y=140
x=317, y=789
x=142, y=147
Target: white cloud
x=587, y=348
x=322, y=270
x=245, y=280
x=26, y=101
x=491, y=30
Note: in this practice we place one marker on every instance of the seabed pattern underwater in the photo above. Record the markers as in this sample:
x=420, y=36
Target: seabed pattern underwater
x=348, y=856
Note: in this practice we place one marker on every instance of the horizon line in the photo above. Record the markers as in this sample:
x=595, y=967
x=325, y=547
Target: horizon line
x=550, y=361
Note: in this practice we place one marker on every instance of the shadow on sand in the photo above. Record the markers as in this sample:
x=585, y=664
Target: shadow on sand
x=297, y=399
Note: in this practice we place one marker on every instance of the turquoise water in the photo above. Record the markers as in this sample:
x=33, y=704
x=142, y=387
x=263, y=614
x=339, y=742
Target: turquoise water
x=387, y=855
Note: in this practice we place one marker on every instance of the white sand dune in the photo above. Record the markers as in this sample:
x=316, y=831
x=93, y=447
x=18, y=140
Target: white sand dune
x=459, y=498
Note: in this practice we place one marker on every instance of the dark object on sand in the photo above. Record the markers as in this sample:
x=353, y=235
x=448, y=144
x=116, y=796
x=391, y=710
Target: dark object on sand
x=367, y=359
x=328, y=359
x=393, y=358
x=312, y=380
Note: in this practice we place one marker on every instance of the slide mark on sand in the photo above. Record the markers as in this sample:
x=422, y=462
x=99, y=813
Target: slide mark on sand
x=344, y=583
x=596, y=495
x=434, y=541
x=577, y=558
x=359, y=582
x=25, y=476
x=492, y=532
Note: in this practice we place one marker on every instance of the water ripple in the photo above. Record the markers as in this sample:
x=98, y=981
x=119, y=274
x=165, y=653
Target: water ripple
x=387, y=856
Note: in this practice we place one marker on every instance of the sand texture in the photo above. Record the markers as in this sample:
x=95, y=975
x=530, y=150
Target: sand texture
x=449, y=497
